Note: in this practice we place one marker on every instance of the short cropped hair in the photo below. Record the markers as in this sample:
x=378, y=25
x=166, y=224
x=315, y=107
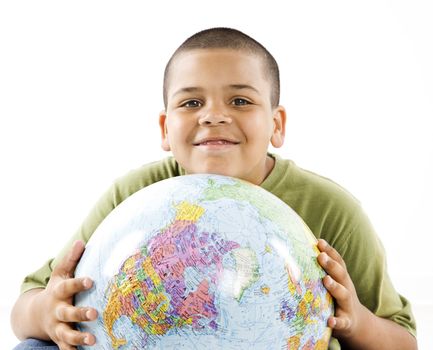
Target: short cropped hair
x=228, y=38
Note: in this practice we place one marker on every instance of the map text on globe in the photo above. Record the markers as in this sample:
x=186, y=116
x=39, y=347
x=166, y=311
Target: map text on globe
x=205, y=261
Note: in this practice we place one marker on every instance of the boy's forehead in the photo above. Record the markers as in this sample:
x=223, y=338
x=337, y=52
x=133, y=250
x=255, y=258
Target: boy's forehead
x=216, y=52
x=222, y=55
x=194, y=64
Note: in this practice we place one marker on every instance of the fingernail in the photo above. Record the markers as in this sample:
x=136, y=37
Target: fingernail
x=87, y=283
x=89, y=314
x=86, y=340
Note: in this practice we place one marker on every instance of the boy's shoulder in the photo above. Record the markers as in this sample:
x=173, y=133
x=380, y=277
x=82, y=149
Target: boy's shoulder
x=298, y=187
x=291, y=180
x=330, y=211
x=145, y=175
x=153, y=171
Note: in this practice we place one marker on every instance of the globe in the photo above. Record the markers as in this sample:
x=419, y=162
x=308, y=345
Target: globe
x=204, y=262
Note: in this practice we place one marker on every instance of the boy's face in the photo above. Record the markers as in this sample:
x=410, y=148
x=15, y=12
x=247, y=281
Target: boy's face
x=219, y=117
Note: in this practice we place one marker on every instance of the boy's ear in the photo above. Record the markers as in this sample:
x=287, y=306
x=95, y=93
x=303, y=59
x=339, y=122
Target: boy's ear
x=279, y=131
x=164, y=134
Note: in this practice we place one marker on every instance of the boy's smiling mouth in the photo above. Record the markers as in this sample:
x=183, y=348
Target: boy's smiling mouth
x=215, y=142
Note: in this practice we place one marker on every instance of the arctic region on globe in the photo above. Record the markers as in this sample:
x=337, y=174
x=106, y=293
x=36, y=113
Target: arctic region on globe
x=204, y=262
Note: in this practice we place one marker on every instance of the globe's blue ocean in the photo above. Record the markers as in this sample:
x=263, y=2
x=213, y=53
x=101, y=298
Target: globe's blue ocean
x=205, y=262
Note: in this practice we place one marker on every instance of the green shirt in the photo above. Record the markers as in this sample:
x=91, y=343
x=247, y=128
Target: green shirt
x=329, y=210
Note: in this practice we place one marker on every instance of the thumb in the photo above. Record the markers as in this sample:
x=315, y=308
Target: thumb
x=68, y=263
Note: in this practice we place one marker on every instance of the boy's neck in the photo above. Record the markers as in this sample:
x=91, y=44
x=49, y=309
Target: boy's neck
x=269, y=165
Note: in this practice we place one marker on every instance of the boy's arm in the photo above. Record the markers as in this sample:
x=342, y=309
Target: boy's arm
x=48, y=313
x=353, y=324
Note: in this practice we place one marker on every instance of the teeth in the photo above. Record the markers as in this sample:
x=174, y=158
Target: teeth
x=217, y=142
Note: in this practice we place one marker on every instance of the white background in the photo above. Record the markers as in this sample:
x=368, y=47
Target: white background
x=80, y=93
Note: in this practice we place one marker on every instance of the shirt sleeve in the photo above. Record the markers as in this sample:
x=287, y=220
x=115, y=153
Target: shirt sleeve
x=365, y=259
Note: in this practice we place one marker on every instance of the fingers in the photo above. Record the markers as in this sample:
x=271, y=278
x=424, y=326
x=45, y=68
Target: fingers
x=69, y=287
x=339, y=323
x=338, y=291
x=69, y=313
x=334, y=268
x=58, y=299
x=67, y=265
x=329, y=250
x=67, y=337
x=342, y=320
x=348, y=309
x=338, y=281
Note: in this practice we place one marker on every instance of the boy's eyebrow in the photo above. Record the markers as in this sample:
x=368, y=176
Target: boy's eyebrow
x=243, y=86
x=231, y=86
x=188, y=89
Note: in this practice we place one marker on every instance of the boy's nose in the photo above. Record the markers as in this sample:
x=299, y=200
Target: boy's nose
x=214, y=117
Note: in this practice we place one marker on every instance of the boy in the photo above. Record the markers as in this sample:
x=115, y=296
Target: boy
x=221, y=97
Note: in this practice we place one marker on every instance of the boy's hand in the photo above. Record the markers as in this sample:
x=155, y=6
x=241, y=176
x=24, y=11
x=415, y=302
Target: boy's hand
x=353, y=324
x=56, y=301
x=348, y=309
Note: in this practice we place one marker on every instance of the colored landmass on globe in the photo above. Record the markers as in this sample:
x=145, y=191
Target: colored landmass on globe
x=206, y=261
x=151, y=289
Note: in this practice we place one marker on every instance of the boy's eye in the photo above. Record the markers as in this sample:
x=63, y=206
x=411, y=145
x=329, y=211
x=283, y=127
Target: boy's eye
x=240, y=102
x=192, y=104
